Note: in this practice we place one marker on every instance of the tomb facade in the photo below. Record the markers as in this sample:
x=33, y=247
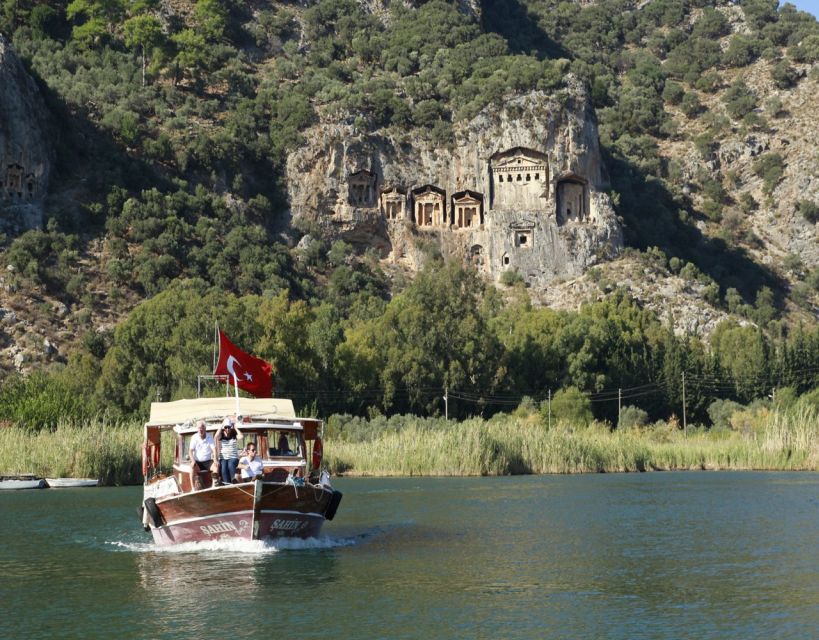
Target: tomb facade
x=572, y=198
x=361, y=188
x=520, y=179
x=477, y=256
x=467, y=210
x=393, y=204
x=429, y=206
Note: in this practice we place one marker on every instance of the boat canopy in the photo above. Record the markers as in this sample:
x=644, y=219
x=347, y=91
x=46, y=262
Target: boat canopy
x=180, y=411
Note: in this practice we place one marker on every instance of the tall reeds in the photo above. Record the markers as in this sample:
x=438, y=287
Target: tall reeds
x=110, y=452
x=405, y=446
x=520, y=444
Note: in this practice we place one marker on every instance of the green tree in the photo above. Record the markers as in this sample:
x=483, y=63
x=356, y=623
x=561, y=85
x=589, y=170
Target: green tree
x=161, y=347
x=743, y=353
x=145, y=32
x=433, y=336
x=571, y=407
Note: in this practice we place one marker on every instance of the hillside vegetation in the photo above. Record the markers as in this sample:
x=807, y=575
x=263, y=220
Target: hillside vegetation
x=169, y=211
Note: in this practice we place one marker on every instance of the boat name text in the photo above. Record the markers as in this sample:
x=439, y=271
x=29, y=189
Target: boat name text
x=219, y=527
x=287, y=525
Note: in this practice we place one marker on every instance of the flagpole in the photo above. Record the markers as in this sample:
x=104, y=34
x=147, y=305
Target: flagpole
x=215, y=341
x=236, y=392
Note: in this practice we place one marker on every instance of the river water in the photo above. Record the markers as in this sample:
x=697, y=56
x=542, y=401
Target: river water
x=658, y=555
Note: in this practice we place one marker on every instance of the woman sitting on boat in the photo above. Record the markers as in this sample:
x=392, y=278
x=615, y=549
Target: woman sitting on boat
x=227, y=446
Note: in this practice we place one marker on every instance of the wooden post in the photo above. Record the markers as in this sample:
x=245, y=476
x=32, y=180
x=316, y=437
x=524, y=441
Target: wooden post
x=685, y=424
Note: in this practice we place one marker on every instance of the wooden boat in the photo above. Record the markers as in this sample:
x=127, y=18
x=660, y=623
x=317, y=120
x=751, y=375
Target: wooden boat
x=22, y=481
x=292, y=498
x=66, y=483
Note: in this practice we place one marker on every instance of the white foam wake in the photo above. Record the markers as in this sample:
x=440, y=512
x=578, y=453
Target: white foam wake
x=237, y=545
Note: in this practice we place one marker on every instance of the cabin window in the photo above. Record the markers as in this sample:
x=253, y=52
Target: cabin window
x=284, y=443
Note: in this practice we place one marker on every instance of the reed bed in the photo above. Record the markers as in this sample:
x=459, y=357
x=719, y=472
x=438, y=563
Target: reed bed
x=107, y=451
x=521, y=445
x=504, y=445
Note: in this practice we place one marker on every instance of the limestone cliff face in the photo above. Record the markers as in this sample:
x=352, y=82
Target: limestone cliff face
x=26, y=154
x=522, y=189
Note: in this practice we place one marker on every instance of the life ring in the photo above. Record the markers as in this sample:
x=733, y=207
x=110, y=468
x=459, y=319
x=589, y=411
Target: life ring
x=149, y=460
x=145, y=459
x=317, y=453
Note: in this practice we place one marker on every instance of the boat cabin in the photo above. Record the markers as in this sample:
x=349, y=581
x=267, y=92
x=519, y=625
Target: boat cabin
x=280, y=446
x=284, y=443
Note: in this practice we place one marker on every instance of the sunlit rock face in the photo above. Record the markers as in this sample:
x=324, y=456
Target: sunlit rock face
x=522, y=189
x=26, y=154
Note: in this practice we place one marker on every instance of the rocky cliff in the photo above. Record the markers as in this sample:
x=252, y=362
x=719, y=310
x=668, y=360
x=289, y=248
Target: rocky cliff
x=26, y=154
x=522, y=188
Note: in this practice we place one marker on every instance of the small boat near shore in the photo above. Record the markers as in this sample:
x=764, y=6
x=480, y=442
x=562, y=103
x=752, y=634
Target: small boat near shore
x=22, y=481
x=70, y=483
x=291, y=498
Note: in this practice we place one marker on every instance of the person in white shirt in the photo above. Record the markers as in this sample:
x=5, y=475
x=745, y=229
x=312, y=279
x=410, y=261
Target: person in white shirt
x=250, y=465
x=202, y=453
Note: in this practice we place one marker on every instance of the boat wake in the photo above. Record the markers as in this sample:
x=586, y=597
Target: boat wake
x=243, y=547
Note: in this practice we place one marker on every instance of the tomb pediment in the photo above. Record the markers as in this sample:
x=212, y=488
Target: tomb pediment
x=467, y=198
x=570, y=176
x=428, y=190
x=518, y=159
x=362, y=174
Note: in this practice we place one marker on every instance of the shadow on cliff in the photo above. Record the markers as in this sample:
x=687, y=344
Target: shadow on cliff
x=651, y=216
x=514, y=22
x=88, y=164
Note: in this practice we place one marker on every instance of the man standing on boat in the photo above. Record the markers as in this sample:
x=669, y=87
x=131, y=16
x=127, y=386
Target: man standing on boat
x=202, y=453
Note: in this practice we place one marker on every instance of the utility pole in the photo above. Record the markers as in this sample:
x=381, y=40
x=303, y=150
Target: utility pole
x=446, y=403
x=685, y=424
x=619, y=405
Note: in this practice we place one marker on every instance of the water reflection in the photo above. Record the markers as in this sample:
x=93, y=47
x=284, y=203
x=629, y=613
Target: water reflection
x=176, y=581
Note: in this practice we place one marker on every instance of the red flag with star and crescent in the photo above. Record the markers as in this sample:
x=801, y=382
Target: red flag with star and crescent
x=250, y=373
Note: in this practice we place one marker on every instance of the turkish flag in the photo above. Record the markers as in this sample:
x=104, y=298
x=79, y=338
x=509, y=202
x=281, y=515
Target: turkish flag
x=248, y=372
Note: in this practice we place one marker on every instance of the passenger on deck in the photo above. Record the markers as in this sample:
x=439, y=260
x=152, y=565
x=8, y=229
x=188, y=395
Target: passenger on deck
x=284, y=445
x=250, y=465
x=227, y=446
x=202, y=453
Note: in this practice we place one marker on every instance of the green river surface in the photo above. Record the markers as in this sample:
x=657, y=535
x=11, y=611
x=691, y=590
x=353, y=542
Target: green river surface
x=658, y=555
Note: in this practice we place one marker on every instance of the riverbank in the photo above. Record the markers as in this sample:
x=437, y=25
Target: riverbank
x=407, y=446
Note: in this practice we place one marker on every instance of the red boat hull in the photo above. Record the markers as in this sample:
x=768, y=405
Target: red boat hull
x=250, y=511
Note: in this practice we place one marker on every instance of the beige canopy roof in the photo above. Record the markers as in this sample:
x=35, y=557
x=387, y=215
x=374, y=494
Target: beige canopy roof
x=180, y=411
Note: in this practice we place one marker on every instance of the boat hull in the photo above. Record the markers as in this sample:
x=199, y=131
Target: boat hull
x=22, y=483
x=67, y=483
x=249, y=511
x=240, y=525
